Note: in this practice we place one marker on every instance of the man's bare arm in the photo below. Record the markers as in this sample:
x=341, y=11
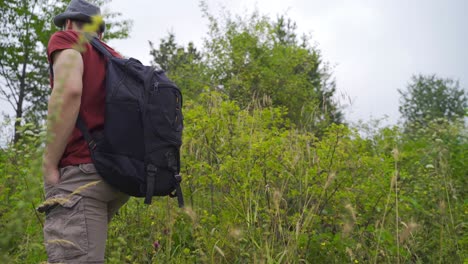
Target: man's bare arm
x=63, y=108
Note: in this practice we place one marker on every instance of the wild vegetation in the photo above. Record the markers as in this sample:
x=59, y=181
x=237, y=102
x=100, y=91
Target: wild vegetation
x=272, y=172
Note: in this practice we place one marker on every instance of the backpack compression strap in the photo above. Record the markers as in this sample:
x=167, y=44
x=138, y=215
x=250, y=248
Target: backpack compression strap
x=80, y=124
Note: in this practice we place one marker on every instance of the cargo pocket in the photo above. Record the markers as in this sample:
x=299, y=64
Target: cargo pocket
x=87, y=168
x=65, y=233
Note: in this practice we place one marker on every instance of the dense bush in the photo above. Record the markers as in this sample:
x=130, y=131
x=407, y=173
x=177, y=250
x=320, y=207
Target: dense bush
x=259, y=190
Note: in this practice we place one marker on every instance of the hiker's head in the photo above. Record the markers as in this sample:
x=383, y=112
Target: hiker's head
x=78, y=15
x=80, y=26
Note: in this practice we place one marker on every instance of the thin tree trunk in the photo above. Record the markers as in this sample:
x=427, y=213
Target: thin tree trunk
x=19, y=107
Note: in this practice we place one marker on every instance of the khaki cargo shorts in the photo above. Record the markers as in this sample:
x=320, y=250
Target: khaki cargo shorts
x=78, y=210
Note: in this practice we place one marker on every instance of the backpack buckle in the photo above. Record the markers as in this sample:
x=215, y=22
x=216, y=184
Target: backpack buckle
x=92, y=144
x=178, y=178
x=151, y=169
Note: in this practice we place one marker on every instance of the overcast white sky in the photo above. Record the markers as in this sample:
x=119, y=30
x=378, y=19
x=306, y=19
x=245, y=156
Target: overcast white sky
x=375, y=45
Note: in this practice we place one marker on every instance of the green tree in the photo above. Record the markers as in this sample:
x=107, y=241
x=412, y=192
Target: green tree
x=24, y=32
x=184, y=65
x=430, y=97
x=256, y=57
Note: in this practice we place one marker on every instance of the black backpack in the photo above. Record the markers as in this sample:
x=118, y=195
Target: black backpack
x=138, y=152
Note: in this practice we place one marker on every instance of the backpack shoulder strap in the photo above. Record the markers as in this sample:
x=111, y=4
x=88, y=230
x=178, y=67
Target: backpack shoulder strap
x=80, y=124
x=98, y=45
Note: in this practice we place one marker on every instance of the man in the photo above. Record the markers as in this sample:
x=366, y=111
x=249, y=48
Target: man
x=79, y=204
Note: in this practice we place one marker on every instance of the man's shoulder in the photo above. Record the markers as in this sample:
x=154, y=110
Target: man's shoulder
x=64, y=37
x=61, y=40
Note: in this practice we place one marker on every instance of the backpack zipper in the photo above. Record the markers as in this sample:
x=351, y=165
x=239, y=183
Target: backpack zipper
x=164, y=85
x=158, y=85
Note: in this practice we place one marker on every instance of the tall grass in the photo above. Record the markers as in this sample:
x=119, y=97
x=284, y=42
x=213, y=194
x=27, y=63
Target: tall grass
x=259, y=190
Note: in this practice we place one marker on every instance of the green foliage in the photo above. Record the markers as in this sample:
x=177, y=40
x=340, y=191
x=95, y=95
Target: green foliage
x=20, y=193
x=430, y=97
x=270, y=174
x=256, y=57
x=436, y=175
x=183, y=65
x=23, y=70
x=258, y=190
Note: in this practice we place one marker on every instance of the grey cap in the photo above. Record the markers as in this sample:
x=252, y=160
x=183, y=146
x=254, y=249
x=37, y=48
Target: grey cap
x=78, y=10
